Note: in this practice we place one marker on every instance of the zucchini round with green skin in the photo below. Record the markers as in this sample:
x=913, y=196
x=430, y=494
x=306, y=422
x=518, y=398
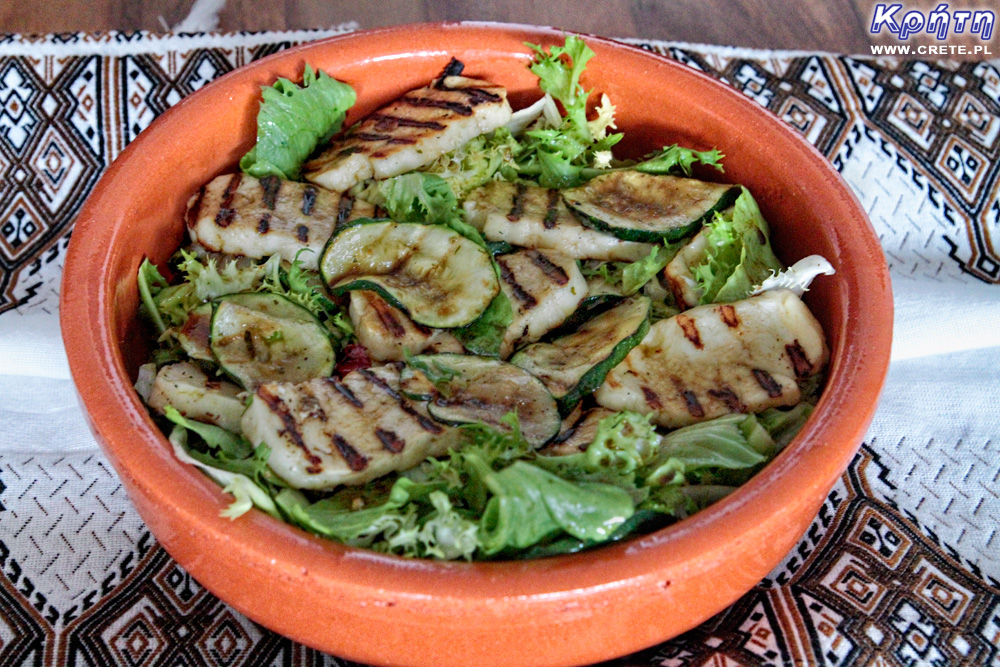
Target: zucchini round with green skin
x=437, y=276
x=575, y=365
x=465, y=389
x=636, y=206
x=260, y=337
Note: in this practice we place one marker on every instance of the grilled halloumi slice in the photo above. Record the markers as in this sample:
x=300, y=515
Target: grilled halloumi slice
x=719, y=359
x=679, y=272
x=544, y=288
x=534, y=217
x=327, y=432
x=413, y=131
x=386, y=331
x=196, y=396
x=238, y=214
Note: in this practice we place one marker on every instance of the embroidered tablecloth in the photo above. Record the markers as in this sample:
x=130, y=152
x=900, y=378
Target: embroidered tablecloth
x=901, y=565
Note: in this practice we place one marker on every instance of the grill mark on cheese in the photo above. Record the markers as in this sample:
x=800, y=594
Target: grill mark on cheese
x=224, y=217
x=278, y=407
x=456, y=107
x=554, y=272
x=729, y=399
x=728, y=315
x=270, y=185
x=309, y=200
x=692, y=404
x=652, y=398
x=345, y=391
x=387, y=318
x=390, y=441
x=520, y=293
x=517, y=203
x=690, y=329
x=194, y=211
x=264, y=226
x=800, y=362
x=477, y=96
x=551, y=209
x=302, y=233
x=767, y=382
x=387, y=123
x=355, y=460
x=344, y=208
x=373, y=137
x=424, y=423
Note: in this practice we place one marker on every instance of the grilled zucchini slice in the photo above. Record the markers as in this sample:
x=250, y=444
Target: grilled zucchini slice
x=575, y=365
x=466, y=389
x=259, y=337
x=437, y=276
x=636, y=206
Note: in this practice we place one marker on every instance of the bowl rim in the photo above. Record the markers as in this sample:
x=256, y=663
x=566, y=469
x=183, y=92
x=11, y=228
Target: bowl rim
x=115, y=412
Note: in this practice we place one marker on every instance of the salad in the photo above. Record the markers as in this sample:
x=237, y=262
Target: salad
x=454, y=330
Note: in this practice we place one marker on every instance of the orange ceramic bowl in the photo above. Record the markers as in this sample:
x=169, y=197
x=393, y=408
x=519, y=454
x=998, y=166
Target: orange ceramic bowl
x=390, y=611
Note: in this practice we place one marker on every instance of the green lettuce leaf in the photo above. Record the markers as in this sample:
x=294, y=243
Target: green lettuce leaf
x=293, y=120
x=529, y=504
x=674, y=158
x=484, y=336
x=476, y=162
x=739, y=254
x=733, y=442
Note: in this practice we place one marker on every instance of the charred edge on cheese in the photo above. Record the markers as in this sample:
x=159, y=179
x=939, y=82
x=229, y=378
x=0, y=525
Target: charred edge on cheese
x=390, y=441
x=309, y=200
x=552, y=271
x=355, y=460
x=520, y=293
x=729, y=316
x=690, y=329
x=551, y=208
x=767, y=382
x=271, y=186
x=226, y=213
x=264, y=226
x=194, y=212
x=453, y=68
x=517, y=204
x=278, y=407
x=729, y=399
x=800, y=362
x=424, y=423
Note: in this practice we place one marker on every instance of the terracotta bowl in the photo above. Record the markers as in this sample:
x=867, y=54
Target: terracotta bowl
x=391, y=611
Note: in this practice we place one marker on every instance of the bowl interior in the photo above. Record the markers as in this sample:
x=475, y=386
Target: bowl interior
x=137, y=211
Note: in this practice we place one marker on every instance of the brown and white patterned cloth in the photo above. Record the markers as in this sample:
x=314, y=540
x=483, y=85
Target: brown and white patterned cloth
x=900, y=567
